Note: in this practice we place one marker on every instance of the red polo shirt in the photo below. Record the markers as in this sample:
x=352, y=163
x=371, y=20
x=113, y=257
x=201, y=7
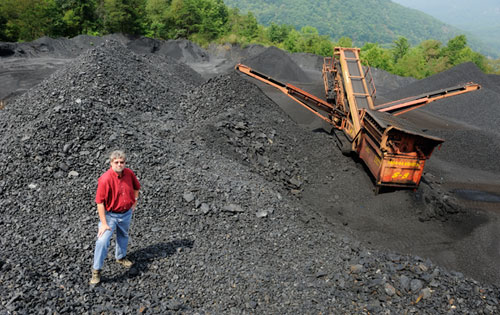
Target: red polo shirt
x=117, y=193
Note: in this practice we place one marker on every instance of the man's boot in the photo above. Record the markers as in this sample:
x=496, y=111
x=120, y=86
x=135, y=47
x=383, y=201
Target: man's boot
x=96, y=277
x=125, y=262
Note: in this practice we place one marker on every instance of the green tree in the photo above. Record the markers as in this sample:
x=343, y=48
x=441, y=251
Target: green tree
x=26, y=20
x=494, y=66
x=468, y=55
x=324, y=47
x=400, y=48
x=3, y=23
x=345, y=42
x=78, y=17
x=458, y=52
x=214, y=17
x=309, y=39
x=9, y=13
x=278, y=33
x=206, y=18
x=375, y=56
x=434, y=59
x=412, y=64
x=156, y=15
x=431, y=49
x=292, y=41
x=114, y=16
x=243, y=27
x=311, y=42
x=454, y=49
x=121, y=16
x=249, y=26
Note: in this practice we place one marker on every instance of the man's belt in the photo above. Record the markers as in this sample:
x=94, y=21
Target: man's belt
x=116, y=211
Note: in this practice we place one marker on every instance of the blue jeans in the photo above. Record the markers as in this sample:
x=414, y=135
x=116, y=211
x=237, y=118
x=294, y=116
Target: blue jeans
x=119, y=222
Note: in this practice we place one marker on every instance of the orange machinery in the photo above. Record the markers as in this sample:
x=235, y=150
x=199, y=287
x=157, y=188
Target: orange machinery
x=394, y=150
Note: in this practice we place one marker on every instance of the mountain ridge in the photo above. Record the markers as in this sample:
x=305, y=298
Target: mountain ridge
x=379, y=21
x=481, y=20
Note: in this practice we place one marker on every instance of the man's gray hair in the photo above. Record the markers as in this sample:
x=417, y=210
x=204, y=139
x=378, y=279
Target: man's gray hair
x=117, y=154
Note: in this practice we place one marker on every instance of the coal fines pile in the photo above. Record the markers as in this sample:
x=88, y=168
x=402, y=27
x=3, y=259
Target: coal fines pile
x=218, y=228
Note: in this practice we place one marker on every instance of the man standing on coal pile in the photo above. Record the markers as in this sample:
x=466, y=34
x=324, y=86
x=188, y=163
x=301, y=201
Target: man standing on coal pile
x=116, y=199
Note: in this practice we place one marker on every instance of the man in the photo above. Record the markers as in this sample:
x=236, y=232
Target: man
x=116, y=199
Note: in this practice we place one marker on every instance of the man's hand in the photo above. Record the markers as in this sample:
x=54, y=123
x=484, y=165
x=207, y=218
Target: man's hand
x=136, y=195
x=103, y=228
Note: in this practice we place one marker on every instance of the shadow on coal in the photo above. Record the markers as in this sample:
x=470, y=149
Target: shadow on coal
x=142, y=258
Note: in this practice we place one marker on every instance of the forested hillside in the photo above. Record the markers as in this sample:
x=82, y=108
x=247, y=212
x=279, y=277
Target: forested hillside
x=385, y=46
x=481, y=19
x=376, y=21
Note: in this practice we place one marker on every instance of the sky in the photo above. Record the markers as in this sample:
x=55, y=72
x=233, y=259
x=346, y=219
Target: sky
x=480, y=18
x=462, y=13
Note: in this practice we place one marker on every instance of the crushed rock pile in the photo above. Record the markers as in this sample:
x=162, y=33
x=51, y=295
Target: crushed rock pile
x=217, y=229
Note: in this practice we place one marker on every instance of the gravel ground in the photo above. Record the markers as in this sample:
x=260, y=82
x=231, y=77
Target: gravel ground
x=227, y=221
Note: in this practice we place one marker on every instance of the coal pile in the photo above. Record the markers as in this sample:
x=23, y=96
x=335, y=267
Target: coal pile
x=275, y=61
x=480, y=109
x=56, y=47
x=27, y=64
x=461, y=74
x=477, y=113
x=386, y=82
x=183, y=50
x=219, y=227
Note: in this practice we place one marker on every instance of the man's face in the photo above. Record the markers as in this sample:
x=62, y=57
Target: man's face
x=118, y=165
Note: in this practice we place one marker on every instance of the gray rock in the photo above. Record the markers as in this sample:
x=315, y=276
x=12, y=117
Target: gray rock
x=416, y=285
x=174, y=305
x=295, y=182
x=205, y=208
x=262, y=214
x=252, y=305
x=356, y=268
x=73, y=174
x=404, y=282
x=233, y=208
x=389, y=289
x=426, y=293
x=63, y=166
x=58, y=174
x=188, y=196
x=66, y=147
